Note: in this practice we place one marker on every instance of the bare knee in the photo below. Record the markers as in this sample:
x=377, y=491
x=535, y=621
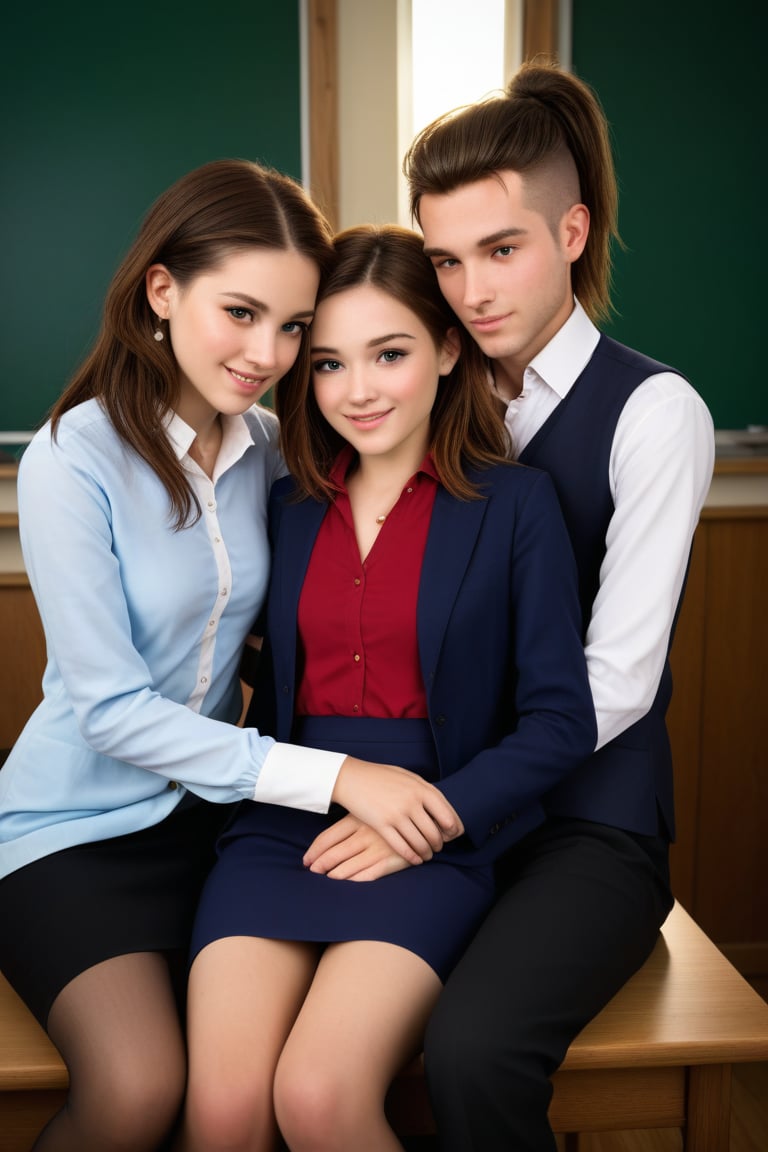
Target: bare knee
x=227, y=1117
x=318, y=1111
x=307, y=1110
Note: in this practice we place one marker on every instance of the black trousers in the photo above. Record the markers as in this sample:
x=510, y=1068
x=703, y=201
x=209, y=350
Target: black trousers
x=579, y=911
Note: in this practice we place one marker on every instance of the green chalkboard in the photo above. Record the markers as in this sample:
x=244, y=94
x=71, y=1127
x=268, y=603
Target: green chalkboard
x=103, y=106
x=684, y=91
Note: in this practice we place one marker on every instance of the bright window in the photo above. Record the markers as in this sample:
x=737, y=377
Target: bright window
x=459, y=53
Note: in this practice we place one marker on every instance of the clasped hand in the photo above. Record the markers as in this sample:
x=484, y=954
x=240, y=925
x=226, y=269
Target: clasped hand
x=395, y=819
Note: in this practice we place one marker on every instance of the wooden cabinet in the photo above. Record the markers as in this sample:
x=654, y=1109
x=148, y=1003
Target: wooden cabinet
x=22, y=646
x=23, y=656
x=717, y=724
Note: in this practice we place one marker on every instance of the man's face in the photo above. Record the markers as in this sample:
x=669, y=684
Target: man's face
x=499, y=265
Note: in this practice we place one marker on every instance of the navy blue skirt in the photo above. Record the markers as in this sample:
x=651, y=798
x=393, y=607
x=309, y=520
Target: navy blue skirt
x=260, y=887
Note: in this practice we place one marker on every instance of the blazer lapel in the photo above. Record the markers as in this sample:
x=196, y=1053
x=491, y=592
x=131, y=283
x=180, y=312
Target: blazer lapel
x=295, y=538
x=453, y=532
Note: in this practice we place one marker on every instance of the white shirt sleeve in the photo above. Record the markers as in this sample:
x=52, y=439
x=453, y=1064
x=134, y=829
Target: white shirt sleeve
x=660, y=470
x=298, y=777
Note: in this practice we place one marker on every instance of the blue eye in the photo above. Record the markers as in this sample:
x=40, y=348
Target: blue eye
x=239, y=313
x=294, y=328
x=504, y=250
x=326, y=366
x=391, y=355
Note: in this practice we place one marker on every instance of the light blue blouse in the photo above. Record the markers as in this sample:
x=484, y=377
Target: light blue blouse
x=144, y=628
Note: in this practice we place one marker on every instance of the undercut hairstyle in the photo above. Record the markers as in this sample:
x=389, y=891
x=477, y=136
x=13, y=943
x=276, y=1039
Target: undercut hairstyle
x=220, y=209
x=549, y=127
x=467, y=424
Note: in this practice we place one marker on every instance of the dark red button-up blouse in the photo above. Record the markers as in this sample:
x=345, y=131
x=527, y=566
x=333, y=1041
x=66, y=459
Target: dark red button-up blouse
x=357, y=618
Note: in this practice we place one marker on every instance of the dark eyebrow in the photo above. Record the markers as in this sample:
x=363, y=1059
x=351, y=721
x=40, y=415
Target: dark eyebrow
x=260, y=306
x=371, y=343
x=483, y=242
x=391, y=336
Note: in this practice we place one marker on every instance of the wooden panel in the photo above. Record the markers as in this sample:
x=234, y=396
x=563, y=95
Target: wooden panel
x=540, y=28
x=23, y=1115
x=731, y=899
x=22, y=667
x=709, y=1109
x=618, y=1099
x=323, y=107
x=684, y=720
x=751, y=960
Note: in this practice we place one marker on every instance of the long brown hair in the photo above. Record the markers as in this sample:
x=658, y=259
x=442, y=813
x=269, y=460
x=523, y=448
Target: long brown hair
x=545, y=117
x=219, y=209
x=467, y=426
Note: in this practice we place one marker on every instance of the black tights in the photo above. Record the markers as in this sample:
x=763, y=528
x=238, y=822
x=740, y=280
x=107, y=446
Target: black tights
x=118, y=1028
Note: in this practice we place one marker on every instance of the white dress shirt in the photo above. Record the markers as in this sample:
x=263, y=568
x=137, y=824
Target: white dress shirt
x=660, y=470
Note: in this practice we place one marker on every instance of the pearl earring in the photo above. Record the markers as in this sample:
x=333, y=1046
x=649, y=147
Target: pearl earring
x=158, y=330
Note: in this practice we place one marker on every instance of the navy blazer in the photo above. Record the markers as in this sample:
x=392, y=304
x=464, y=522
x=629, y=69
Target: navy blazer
x=500, y=647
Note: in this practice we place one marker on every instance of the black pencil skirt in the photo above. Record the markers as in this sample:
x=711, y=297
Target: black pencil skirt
x=135, y=893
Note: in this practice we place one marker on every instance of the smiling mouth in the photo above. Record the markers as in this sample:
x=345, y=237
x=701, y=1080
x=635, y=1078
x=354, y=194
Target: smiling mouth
x=252, y=380
x=369, y=417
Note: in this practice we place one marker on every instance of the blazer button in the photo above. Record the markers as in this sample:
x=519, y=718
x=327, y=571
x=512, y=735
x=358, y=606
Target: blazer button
x=494, y=829
x=440, y=720
x=286, y=689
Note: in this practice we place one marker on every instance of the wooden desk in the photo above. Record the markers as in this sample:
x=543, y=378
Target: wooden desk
x=658, y=1056
x=33, y=1079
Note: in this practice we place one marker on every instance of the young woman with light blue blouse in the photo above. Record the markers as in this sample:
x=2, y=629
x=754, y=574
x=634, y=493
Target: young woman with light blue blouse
x=142, y=509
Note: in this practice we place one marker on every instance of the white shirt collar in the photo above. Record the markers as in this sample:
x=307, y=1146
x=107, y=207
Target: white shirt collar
x=563, y=359
x=236, y=439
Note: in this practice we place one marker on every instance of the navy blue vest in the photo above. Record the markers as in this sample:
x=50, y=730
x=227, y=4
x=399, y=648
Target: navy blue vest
x=628, y=783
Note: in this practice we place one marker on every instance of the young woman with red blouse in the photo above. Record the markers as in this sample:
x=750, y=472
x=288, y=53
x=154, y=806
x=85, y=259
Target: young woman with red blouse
x=422, y=612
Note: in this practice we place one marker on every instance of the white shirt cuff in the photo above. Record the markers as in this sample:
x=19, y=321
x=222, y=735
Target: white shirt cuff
x=297, y=777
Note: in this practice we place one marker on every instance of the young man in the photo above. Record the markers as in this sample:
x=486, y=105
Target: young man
x=516, y=197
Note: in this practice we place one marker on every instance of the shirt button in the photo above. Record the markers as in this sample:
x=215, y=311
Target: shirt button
x=357, y=581
x=355, y=708
x=357, y=658
x=409, y=489
x=211, y=504
x=203, y=679
x=172, y=785
x=223, y=592
x=211, y=623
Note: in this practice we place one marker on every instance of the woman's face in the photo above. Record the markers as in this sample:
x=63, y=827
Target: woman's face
x=375, y=370
x=235, y=330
